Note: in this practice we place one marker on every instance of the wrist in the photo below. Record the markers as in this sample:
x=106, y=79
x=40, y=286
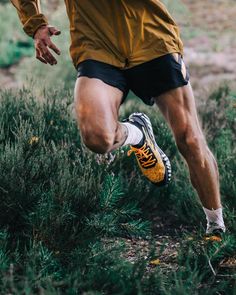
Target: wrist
x=42, y=26
x=34, y=23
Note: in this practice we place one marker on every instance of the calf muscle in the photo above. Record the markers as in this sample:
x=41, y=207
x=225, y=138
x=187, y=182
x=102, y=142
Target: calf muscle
x=178, y=108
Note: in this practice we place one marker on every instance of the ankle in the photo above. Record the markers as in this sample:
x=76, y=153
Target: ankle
x=214, y=218
x=134, y=135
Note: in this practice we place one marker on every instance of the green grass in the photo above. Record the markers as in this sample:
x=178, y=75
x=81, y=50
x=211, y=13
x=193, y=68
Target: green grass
x=65, y=217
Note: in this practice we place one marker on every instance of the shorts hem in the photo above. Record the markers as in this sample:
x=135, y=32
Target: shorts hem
x=172, y=87
x=116, y=85
x=125, y=91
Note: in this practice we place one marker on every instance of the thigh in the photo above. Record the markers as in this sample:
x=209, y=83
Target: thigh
x=179, y=109
x=97, y=104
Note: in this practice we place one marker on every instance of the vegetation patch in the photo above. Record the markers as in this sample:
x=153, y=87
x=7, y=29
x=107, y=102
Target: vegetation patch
x=14, y=44
x=73, y=223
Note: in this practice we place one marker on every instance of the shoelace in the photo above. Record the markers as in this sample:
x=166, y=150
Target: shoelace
x=144, y=155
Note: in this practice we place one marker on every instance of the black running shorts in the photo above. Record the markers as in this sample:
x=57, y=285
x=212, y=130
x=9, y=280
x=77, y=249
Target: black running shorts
x=147, y=80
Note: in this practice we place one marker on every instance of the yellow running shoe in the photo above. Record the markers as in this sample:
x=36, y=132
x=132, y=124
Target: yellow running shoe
x=152, y=161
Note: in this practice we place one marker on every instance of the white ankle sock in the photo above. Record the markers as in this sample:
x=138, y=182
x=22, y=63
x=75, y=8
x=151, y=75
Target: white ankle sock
x=215, y=216
x=135, y=135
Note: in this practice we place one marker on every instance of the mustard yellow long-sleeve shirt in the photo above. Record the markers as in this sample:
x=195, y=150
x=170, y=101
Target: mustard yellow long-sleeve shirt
x=123, y=33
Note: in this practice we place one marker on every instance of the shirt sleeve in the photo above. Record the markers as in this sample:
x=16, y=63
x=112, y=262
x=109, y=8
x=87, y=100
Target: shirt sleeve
x=29, y=12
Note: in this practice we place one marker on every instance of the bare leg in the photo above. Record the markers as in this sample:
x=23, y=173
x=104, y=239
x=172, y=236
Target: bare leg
x=179, y=109
x=97, y=106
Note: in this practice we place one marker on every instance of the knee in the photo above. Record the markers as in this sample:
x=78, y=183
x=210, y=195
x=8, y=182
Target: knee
x=193, y=147
x=98, y=141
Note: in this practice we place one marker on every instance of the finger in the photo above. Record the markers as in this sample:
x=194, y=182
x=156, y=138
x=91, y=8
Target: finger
x=54, y=48
x=45, y=53
x=49, y=58
x=54, y=31
x=38, y=56
x=41, y=59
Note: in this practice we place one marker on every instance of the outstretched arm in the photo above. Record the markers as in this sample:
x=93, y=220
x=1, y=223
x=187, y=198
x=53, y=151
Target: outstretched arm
x=36, y=26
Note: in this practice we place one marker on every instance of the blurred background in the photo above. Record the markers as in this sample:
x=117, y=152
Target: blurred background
x=207, y=29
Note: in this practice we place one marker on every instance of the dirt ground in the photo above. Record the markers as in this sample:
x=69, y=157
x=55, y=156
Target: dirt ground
x=211, y=53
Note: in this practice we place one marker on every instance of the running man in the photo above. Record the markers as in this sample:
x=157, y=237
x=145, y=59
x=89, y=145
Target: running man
x=122, y=45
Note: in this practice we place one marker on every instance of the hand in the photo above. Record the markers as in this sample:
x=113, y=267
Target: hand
x=42, y=42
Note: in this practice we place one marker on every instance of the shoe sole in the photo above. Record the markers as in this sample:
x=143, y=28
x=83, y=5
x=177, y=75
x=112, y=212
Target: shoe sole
x=145, y=121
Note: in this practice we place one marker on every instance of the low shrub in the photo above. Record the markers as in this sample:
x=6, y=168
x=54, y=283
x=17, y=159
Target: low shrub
x=66, y=214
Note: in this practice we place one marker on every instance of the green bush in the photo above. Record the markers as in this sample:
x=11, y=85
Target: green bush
x=4, y=1
x=65, y=214
x=14, y=44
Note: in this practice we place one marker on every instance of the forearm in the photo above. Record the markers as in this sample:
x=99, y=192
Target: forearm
x=30, y=15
